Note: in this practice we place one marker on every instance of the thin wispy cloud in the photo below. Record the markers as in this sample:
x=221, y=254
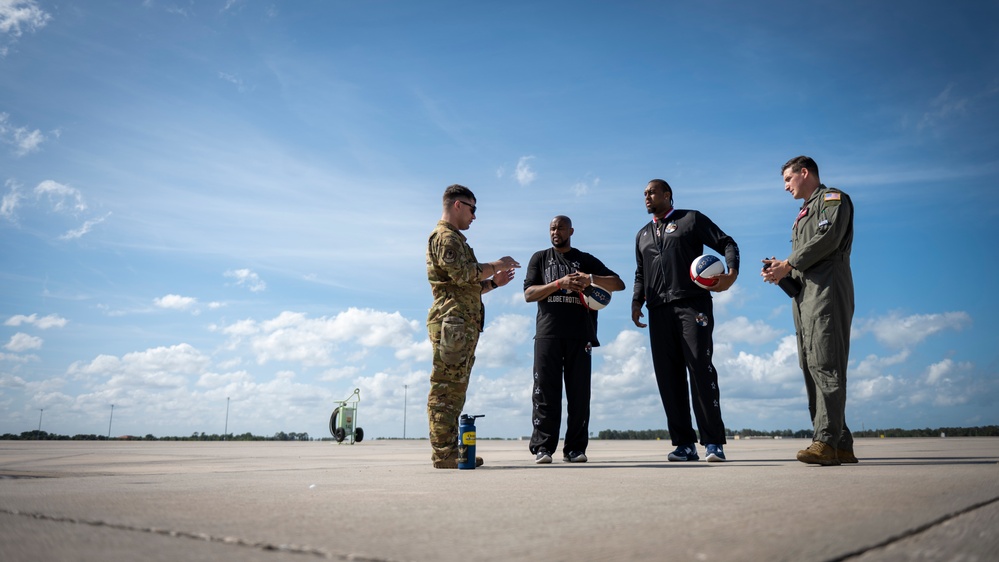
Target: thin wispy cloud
x=22, y=139
x=235, y=81
x=945, y=106
x=63, y=198
x=84, y=229
x=524, y=174
x=584, y=187
x=11, y=201
x=248, y=279
x=18, y=17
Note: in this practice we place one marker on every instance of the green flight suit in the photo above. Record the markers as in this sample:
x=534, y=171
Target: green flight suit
x=453, y=323
x=823, y=310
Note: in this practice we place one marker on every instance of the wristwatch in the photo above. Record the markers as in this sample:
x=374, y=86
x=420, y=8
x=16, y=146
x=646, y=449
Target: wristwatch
x=493, y=284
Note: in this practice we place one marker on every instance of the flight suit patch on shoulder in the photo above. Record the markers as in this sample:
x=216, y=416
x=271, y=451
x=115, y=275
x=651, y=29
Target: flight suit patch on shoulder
x=449, y=255
x=832, y=199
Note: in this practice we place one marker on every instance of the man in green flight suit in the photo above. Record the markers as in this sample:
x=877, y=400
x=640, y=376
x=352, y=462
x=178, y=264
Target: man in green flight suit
x=455, y=319
x=822, y=238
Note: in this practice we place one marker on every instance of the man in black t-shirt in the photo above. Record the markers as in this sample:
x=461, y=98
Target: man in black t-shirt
x=566, y=333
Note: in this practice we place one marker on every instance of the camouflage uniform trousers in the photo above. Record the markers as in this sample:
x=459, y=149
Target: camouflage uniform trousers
x=454, y=341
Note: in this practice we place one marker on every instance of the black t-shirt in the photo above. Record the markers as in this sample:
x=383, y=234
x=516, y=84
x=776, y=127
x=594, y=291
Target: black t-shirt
x=563, y=314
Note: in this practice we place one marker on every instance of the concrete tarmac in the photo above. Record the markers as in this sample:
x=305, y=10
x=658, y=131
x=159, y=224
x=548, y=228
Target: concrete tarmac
x=908, y=499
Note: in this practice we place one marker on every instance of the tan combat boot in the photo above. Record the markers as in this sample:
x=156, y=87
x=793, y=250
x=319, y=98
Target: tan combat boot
x=452, y=462
x=846, y=456
x=819, y=453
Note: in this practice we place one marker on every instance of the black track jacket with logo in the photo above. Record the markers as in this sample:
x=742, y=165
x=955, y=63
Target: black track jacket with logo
x=663, y=273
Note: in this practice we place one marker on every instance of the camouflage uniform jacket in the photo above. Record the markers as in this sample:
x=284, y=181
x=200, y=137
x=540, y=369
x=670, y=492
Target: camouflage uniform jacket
x=453, y=273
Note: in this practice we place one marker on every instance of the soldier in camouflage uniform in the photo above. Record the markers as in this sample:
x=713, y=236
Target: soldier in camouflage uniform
x=822, y=238
x=458, y=282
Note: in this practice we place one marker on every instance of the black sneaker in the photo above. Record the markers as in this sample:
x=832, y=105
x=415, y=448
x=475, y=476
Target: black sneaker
x=684, y=453
x=542, y=457
x=574, y=456
x=714, y=453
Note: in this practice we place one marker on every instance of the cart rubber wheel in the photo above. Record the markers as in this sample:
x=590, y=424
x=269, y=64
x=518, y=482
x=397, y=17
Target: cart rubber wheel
x=340, y=434
x=358, y=435
x=333, y=421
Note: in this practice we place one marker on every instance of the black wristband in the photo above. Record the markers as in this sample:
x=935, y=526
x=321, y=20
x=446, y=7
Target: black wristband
x=493, y=284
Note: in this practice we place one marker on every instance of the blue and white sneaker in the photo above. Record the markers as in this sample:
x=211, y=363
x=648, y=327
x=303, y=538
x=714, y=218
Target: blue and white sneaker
x=684, y=453
x=714, y=453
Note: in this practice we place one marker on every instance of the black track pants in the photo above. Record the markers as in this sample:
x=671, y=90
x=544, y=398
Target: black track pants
x=553, y=359
x=680, y=334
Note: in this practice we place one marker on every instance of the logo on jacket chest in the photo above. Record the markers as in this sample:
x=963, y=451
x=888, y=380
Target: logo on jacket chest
x=670, y=228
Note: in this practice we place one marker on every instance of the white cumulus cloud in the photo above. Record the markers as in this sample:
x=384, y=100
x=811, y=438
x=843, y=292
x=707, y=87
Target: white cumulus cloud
x=21, y=342
x=160, y=367
x=903, y=332
x=175, y=302
x=741, y=329
x=43, y=323
x=293, y=336
x=499, y=342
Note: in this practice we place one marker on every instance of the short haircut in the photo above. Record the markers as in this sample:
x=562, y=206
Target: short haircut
x=661, y=184
x=563, y=218
x=799, y=162
x=456, y=192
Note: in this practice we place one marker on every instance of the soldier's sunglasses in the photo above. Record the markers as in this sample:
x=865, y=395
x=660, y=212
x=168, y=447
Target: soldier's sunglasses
x=470, y=206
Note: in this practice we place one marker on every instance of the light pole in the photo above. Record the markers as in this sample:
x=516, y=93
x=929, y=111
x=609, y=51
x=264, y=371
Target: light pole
x=111, y=419
x=39, y=432
x=405, y=403
x=226, y=431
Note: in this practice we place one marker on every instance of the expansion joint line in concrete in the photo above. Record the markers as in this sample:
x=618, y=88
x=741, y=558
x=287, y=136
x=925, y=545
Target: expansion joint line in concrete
x=914, y=531
x=234, y=541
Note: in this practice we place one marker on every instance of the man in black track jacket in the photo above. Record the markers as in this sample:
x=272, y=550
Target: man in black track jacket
x=681, y=320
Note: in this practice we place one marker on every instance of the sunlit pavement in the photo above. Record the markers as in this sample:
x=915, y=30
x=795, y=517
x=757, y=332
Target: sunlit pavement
x=907, y=499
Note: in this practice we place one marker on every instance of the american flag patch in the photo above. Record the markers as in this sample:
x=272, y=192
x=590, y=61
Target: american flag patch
x=832, y=196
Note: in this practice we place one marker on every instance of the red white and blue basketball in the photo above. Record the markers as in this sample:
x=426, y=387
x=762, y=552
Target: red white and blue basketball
x=705, y=269
x=596, y=297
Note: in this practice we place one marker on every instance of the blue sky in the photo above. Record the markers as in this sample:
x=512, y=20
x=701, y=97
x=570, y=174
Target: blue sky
x=205, y=201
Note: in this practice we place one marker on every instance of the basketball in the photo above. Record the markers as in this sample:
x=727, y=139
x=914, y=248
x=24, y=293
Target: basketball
x=705, y=269
x=596, y=297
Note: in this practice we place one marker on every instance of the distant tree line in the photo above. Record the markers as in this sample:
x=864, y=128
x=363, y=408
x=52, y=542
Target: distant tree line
x=45, y=436
x=648, y=434
x=664, y=434
x=633, y=434
x=983, y=431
